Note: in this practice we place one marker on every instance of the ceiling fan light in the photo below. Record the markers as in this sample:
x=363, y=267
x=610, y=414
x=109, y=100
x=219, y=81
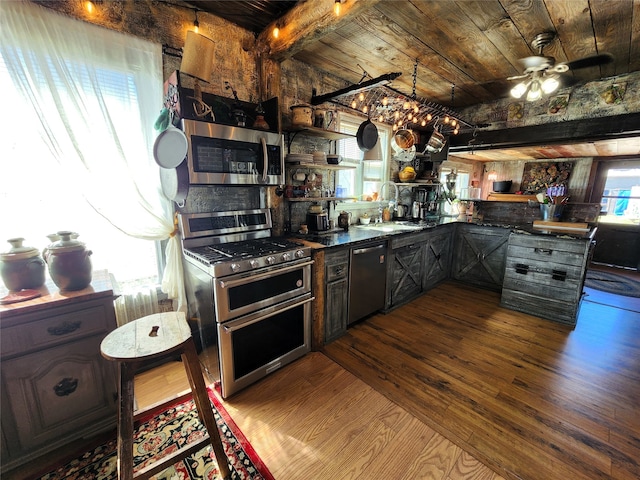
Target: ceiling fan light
x=534, y=93
x=519, y=90
x=550, y=85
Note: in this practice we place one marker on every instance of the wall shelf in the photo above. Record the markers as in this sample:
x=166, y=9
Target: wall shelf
x=319, y=199
x=319, y=132
x=319, y=166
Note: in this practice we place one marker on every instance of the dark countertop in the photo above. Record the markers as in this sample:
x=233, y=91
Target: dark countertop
x=361, y=234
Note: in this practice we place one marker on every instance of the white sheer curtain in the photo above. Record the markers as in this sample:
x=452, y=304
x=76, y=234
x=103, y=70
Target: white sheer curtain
x=62, y=68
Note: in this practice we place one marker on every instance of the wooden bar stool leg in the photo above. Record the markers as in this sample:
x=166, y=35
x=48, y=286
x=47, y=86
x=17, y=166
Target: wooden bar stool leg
x=203, y=404
x=125, y=421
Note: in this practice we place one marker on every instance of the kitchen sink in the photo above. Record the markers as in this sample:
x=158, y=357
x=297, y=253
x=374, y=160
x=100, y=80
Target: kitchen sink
x=391, y=227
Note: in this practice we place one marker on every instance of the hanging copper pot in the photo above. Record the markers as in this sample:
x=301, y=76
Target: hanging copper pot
x=403, y=139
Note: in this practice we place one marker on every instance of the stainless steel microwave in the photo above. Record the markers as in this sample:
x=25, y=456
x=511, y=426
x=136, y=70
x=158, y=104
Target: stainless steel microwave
x=222, y=155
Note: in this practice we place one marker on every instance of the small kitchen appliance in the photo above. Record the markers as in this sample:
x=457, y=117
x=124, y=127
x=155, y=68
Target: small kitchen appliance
x=318, y=222
x=248, y=292
x=425, y=201
x=221, y=154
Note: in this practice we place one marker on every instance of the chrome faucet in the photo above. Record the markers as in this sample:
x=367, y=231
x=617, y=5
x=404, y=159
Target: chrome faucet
x=393, y=204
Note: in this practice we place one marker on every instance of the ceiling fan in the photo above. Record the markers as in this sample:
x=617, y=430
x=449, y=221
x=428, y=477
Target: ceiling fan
x=542, y=74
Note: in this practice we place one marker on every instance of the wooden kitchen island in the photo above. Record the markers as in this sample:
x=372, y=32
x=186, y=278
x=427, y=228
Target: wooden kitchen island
x=57, y=388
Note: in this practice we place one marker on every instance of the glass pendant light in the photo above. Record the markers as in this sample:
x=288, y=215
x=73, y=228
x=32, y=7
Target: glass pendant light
x=535, y=92
x=550, y=85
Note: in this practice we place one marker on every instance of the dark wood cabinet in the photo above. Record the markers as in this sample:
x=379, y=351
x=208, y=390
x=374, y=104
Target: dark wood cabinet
x=480, y=254
x=544, y=276
x=336, y=264
x=437, y=256
x=404, y=269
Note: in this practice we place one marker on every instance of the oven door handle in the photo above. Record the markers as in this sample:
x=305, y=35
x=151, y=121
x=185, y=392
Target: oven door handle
x=265, y=159
x=243, y=280
x=238, y=324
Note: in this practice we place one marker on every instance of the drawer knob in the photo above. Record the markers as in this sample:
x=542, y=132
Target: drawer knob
x=522, y=268
x=64, y=328
x=66, y=386
x=544, y=251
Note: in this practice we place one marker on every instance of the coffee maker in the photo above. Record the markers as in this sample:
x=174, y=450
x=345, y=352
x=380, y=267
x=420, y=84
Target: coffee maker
x=425, y=202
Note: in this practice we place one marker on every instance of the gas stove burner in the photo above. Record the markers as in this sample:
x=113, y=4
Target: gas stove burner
x=256, y=247
x=224, y=243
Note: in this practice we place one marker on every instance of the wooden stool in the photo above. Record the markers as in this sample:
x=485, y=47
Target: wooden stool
x=154, y=337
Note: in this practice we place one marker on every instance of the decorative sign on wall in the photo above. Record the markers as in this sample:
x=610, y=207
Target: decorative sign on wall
x=538, y=176
x=558, y=104
x=614, y=94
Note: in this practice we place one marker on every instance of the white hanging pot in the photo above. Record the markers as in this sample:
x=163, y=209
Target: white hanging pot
x=170, y=147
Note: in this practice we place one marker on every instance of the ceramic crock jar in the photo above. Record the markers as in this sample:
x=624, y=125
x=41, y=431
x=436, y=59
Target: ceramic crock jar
x=21, y=267
x=301, y=115
x=69, y=262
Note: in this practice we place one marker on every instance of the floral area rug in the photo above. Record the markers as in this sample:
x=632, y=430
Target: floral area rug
x=162, y=433
x=612, y=283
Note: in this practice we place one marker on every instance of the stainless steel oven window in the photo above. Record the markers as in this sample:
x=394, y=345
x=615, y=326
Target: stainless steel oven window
x=245, y=293
x=253, y=347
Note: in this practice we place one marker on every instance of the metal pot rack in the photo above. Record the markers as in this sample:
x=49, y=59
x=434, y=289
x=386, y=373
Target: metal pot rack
x=382, y=101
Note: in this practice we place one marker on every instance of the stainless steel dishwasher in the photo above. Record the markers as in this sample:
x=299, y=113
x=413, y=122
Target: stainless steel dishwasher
x=367, y=280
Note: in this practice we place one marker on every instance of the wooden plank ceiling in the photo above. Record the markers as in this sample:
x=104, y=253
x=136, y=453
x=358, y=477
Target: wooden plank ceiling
x=473, y=45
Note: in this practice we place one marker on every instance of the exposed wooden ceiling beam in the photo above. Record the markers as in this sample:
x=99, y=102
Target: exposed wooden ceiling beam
x=306, y=23
x=568, y=132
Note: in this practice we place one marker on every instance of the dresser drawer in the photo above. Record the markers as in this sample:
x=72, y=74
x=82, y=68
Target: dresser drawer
x=543, y=279
x=548, y=250
x=336, y=265
x=59, y=325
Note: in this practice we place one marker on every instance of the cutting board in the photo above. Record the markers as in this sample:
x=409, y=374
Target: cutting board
x=561, y=225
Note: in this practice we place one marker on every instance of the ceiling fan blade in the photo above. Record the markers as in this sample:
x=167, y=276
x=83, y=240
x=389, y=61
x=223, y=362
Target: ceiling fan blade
x=518, y=77
x=592, y=61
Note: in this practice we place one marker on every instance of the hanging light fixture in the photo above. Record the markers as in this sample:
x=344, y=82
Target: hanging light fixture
x=533, y=88
x=196, y=24
x=336, y=7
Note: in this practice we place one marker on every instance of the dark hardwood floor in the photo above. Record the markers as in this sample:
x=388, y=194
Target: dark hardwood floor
x=530, y=398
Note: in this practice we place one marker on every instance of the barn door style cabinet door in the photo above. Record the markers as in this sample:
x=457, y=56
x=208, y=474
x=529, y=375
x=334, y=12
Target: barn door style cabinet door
x=404, y=269
x=545, y=276
x=480, y=255
x=56, y=387
x=336, y=294
x=437, y=256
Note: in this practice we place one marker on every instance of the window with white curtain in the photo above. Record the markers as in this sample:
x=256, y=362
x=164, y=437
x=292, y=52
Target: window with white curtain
x=39, y=195
x=367, y=176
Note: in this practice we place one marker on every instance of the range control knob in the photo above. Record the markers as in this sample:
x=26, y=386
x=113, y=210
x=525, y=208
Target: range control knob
x=271, y=260
x=254, y=263
x=299, y=253
x=235, y=267
x=286, y=257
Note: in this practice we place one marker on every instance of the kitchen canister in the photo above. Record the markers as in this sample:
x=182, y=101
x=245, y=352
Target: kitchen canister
x=301, y=115
x=69, y=262
x=551, y=212
x=21, y=267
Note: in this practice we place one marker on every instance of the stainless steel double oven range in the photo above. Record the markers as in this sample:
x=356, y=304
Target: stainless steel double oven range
x=249, y=292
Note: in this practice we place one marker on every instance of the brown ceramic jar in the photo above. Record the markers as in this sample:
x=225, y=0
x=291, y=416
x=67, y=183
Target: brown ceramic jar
x=69, y=262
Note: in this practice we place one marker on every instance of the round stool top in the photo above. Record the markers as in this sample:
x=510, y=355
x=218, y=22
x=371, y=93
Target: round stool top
x=153, y=335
